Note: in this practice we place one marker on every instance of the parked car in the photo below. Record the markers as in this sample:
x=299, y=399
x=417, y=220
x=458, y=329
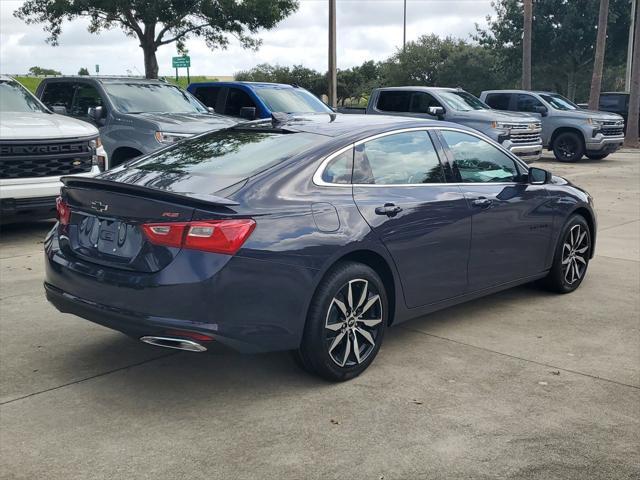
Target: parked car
x=312, y=234
x=135, y=116
x=251, y=100
x=614, y=102
x=569, y=131
x=38, y=146
x=517, y=132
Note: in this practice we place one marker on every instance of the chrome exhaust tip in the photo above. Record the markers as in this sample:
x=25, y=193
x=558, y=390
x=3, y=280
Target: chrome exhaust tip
x=177, y=343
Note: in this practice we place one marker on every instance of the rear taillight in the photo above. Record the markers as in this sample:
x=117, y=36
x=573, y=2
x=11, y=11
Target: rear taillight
x=63, y=212
x=217, y=236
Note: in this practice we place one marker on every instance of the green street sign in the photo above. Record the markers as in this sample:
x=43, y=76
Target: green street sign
x=181, y=62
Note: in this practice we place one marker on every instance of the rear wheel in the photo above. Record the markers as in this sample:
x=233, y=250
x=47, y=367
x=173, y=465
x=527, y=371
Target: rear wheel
x=568, y=147
x=346, y=323
x=597, y=156
x=571, y=257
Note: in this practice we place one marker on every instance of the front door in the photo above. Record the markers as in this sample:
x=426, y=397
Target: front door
x=400, y=189
x=511, y=219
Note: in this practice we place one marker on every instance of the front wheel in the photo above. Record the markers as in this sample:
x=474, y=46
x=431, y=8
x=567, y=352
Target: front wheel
x=571, y=257
x=597, y=156
x=568, y=147
x=346, y=323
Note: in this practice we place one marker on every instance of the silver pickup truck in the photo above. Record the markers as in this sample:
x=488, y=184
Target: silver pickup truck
x=568, y=130
x=517, y=132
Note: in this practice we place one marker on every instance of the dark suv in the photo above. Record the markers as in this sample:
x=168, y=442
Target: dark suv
x=134, y=116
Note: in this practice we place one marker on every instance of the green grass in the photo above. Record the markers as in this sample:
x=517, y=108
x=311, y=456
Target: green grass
x=30, y=82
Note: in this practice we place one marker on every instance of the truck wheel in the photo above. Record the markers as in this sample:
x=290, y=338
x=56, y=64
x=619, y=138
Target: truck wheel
x=568, y=147
x=597, y=156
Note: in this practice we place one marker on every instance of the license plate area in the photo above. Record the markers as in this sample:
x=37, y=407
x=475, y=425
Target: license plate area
x=109, y=238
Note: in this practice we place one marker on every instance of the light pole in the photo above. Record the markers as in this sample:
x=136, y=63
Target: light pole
x=526, y=45
x=404, y=28
x=627, y=77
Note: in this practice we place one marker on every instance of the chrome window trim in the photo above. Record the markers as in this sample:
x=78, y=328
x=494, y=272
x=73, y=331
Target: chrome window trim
x=318, y=181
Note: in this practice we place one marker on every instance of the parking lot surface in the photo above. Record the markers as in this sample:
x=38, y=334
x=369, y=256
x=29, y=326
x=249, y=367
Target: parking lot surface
x=522, y=384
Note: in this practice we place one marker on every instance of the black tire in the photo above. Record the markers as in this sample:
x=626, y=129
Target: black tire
x=568, y=271
x=332, y=334
x=568, y=147
x=597, y=156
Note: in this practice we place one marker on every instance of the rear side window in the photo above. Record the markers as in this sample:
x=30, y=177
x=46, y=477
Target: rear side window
x=339, y=169
x=499, y=101
x=207, y=95
x=390, y=101
x=229, y=153
x=477, y=161
x=237, y=99
x=399, y=159
x=58, y=94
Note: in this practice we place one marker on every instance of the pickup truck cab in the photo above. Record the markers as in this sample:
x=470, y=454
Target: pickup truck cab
x=37, y=147
x=135, y=116
x=253, y=100
x=568, y=130
x=517, y=132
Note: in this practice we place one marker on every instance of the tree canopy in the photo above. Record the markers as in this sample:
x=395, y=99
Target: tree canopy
x=161, y=22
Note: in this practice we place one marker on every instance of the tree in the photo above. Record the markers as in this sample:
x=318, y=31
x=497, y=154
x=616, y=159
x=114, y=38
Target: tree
x=526, y=45
x=631, y=138
x=160, y=22
x=83, y=71
x=39, y=71
x=564, y=34
x=598, y=63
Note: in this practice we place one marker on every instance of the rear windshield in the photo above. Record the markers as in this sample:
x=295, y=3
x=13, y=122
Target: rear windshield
x=291, y=100
x=229, y=153
x=138, y=97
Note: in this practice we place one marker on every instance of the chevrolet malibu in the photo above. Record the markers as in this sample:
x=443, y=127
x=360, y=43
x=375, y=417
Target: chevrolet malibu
x=312, y=234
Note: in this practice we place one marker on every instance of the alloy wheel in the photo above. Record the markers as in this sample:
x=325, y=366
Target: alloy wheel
x=352, y=323
x=574, y=254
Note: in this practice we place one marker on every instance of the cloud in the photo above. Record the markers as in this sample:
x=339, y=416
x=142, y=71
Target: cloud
x=367, y=29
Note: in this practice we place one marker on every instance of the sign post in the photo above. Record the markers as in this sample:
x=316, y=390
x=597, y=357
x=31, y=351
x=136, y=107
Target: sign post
x=181, y=62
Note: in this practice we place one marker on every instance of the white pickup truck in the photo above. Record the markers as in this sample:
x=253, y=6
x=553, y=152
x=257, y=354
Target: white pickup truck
x=37, y=147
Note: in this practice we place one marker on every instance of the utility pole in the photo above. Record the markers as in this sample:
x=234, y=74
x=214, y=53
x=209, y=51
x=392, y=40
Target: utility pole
x=526, y=45
x=598, y=62
x=631, y=138
x=627, y=77
x=404, y=29
x=333, y=74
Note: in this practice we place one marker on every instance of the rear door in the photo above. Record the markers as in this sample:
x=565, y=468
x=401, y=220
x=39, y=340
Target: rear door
x=511, y=219
x=401, y=189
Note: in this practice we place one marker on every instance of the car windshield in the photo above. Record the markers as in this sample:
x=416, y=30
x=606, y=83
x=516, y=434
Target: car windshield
x=291, y=100
x=139, y=97
x=15, y=98
x=559, y=102
x=229, y=153
x=462, y=101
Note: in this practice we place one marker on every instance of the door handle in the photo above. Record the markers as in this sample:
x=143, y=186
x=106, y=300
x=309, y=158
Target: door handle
x=389, y=210
x=482, y=202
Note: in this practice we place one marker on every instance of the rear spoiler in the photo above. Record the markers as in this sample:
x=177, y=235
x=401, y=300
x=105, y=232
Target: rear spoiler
x=203, y=199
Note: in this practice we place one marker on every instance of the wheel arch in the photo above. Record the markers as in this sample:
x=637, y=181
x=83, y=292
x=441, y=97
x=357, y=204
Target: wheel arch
x=561, y=130
x=588, y=216
x=122, y=154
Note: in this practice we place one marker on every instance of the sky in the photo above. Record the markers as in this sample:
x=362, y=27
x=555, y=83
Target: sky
x=366, y=29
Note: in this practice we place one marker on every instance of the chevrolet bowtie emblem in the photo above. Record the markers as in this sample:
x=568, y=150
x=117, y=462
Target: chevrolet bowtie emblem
x=99, y=206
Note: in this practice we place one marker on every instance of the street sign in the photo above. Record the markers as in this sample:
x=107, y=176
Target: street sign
x=97, y=68
x=181, y=62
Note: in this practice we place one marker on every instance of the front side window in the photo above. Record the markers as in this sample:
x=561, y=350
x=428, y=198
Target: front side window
x=15, y=98
x=477, y=161
x=390, y=101
x=236, y=100
x=558, y=102
x=58, y=95
x=338, y=170
x=398, y=159
x=87, y=97
x=139, y=97
x=527, y=103
x=421, y=101
x=291, y=100
x=207, y=95
x=499, y=101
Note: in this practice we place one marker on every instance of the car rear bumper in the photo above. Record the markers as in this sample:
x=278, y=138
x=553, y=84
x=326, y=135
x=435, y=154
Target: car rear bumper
x=243, y=303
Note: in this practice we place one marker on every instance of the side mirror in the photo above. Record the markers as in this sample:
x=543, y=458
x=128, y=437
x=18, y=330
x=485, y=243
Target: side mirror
x=539, y=176
x=211, y=109
x=59, y=109
x=96, y=114
x=436, y=112
x=248, y=113
x=541, y=109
